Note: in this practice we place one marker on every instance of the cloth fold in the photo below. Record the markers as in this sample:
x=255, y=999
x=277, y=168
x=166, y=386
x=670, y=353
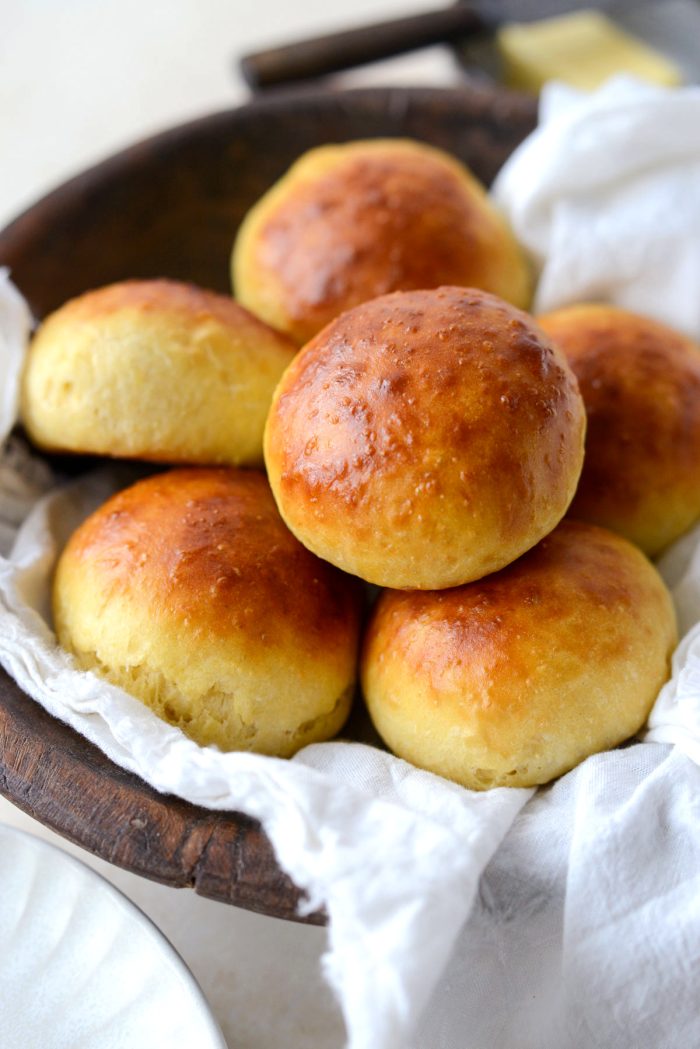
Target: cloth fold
x=586, y=927
x=605, y=195
x=23, y=477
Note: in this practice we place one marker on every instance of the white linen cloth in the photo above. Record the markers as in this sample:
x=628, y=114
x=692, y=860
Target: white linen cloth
x=605, y=195
x=585, y=930
x=23, y=478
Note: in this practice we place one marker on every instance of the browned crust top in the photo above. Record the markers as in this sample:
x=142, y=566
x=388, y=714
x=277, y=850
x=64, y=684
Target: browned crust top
x=449, y=392
x=640, y=381
x=582, y=597
x=208, y=546
x=377, y=221
x=163, y=296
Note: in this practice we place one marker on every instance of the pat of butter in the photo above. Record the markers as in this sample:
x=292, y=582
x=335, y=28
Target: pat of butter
x=582, y=49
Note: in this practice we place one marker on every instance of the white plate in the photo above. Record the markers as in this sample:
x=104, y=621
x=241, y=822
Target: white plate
x=81, y=967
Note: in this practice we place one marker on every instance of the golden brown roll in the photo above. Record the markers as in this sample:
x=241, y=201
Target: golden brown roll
x=153, y=370
x=350, y=222
x=640, y=382
x=513, y=680
x=187, y=590
x=425, y=438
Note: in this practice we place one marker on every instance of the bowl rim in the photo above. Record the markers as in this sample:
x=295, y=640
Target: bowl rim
x=396, y=98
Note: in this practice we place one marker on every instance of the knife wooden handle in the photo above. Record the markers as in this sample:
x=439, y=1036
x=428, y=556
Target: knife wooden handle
x=330, y=54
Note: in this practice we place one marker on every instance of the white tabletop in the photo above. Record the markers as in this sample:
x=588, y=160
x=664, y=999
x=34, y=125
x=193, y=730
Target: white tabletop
x=79, y=80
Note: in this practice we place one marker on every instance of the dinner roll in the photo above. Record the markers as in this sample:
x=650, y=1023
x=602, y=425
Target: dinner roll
x=640, y=382
x=513, y=680
x=153, y=370
x=187, y=590
x=350, y=222
x=425, y=438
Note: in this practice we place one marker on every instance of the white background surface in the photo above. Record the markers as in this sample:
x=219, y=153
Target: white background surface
x=80, y=79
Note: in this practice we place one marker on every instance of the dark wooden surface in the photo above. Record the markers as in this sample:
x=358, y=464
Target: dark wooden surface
x=321, y=55
x=66, y=783
x=170, y=207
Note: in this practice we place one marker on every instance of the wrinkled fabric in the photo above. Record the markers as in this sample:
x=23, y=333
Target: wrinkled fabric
x=586, y=930
x=605, y=195
x=23, y=477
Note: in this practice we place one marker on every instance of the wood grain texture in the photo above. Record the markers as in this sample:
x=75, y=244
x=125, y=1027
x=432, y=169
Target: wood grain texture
x=169, y=207
x=65, y=782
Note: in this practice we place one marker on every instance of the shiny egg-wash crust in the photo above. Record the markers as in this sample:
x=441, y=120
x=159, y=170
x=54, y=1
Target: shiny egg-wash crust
x=515, y=679
x=187, y=591
x=640, y=382
x=425, y=439
x=351, y=222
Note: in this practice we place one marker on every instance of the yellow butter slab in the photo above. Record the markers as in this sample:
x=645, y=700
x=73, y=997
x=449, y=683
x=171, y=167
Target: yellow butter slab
x=583, y=49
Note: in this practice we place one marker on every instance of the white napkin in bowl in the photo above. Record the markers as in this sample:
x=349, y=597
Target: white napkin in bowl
x=605, y=196
x=23, y=477
x=566, y=920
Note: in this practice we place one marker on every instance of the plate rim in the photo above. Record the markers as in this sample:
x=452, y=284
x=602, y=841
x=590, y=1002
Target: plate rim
x=128, y=907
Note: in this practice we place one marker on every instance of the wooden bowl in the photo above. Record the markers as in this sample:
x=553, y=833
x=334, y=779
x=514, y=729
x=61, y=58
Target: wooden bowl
x=170, y=207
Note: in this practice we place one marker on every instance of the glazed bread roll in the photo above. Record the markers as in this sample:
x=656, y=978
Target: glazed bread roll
x=187, y=591
x=351, y=222
x=153, y=370
x=425, y=439
x=513, y=680
x=640, y=382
